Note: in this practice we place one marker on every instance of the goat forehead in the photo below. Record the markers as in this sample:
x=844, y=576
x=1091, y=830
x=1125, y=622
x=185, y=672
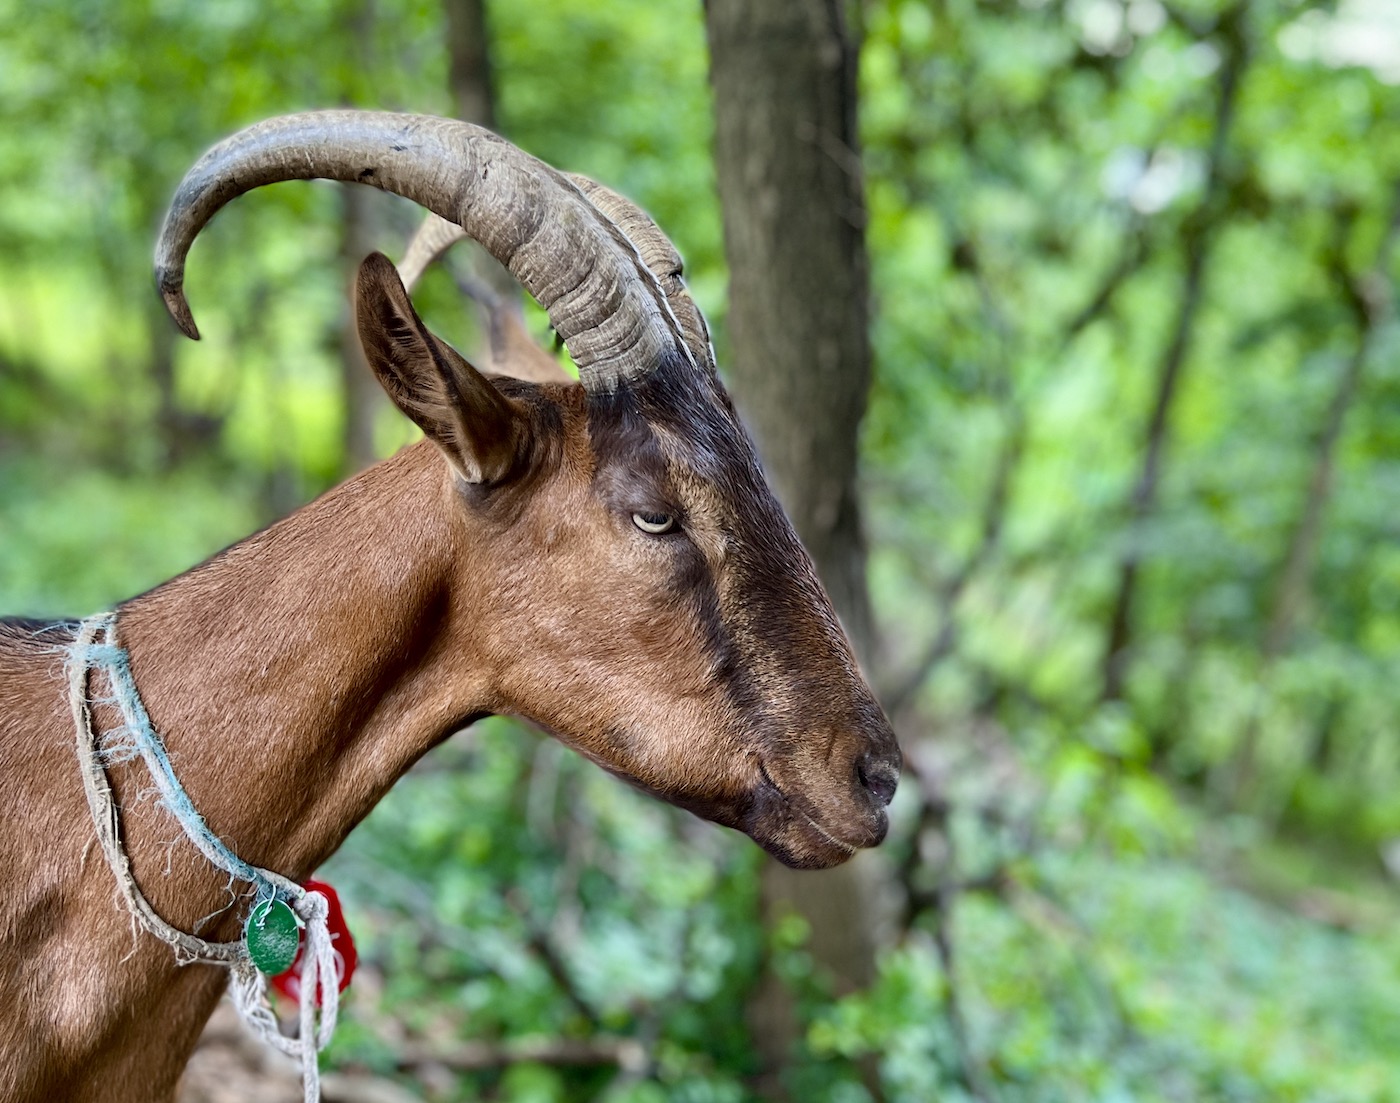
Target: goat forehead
x=700, y=432
x=767, y=587
x=680, y=438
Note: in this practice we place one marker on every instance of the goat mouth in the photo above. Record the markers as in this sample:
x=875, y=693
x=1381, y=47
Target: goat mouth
x=780, y=850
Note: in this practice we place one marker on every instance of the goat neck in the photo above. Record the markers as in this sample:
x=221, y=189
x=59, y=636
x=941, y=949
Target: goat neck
x=297, y=674
x=293, y=677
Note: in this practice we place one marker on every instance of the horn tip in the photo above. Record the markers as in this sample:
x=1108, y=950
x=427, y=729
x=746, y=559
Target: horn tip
x=179, y=309
x=177, y=306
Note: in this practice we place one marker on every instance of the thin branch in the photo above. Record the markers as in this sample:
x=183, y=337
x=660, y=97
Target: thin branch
x=1130, y=260
x=474, y=1056
x=998, y=499
x=1197, y=234
x=1368, y=295
x=974, y=1075
x=997, y=883
x=1039, y=896
x=539, y=943
x=993, y=522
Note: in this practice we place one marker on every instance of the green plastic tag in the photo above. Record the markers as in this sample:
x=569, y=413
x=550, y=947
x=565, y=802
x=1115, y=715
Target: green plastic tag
x=272, y=936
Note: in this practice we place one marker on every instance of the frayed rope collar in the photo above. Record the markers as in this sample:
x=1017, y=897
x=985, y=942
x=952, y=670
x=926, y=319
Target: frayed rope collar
x=96, y=649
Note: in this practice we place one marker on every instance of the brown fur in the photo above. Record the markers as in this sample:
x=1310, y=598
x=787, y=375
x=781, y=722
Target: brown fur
x=298, y=674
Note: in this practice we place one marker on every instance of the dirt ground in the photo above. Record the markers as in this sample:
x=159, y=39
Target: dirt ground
x=231, y=1066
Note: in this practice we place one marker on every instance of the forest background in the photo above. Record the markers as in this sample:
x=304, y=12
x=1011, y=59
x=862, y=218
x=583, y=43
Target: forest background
x=1129, y=488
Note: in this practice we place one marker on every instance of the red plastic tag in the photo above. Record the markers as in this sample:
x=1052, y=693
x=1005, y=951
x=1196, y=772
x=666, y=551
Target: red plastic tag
x=289, y=983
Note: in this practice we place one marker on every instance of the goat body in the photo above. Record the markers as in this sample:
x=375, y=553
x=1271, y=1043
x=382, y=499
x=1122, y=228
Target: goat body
x=601, y=558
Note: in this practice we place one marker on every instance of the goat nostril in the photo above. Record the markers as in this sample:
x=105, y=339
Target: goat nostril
x=876, y=778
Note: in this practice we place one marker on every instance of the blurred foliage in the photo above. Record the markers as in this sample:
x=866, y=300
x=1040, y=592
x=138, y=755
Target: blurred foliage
x=1172, y=891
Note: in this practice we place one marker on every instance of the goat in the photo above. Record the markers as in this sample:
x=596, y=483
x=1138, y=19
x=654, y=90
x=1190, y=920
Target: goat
x=603, y=558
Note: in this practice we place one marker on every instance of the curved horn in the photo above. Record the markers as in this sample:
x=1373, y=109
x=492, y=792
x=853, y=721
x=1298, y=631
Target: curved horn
x=433, y=238
x=512, y=351
x=436, y=236
x=661, y=256
x=600, y=296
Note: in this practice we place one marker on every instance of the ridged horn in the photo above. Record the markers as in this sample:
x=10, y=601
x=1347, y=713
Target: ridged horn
x=601, y=297
x=434, y=237
x=662, y=257
x=512, y=351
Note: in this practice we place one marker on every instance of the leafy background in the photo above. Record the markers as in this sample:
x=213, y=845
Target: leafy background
x=1161, y=878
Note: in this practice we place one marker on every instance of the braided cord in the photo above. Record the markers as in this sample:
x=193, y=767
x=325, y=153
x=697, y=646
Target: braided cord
x=249, y=986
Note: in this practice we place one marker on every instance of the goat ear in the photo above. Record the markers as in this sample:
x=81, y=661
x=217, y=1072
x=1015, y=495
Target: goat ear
x=481, y=430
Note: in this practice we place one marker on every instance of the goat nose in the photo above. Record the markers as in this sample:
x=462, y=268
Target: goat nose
x=878, y=776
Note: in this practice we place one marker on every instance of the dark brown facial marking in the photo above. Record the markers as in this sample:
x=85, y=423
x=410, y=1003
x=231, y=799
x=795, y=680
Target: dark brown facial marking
x=806, y=759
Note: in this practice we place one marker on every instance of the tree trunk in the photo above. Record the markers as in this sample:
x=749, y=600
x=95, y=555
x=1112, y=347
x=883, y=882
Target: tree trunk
x=794, y=223
x=783, y=73
x=362, y=394
x=1143, y=503
x=162, y=369
x=471, y=80
x=469, y=62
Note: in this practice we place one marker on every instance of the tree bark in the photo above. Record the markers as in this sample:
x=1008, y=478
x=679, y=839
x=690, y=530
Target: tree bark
x=788, y=166
x=162, y=369
x=794, y=223
x=469, y=72
x=362, y=395
x=471, y=80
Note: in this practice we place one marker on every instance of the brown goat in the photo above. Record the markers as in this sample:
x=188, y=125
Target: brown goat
x=603, y=558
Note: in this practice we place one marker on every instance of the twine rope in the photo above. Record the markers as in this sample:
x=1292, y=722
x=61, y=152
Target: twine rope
x=137, y=736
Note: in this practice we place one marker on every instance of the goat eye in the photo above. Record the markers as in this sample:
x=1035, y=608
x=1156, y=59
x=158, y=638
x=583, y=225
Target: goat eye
x=654, y=523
